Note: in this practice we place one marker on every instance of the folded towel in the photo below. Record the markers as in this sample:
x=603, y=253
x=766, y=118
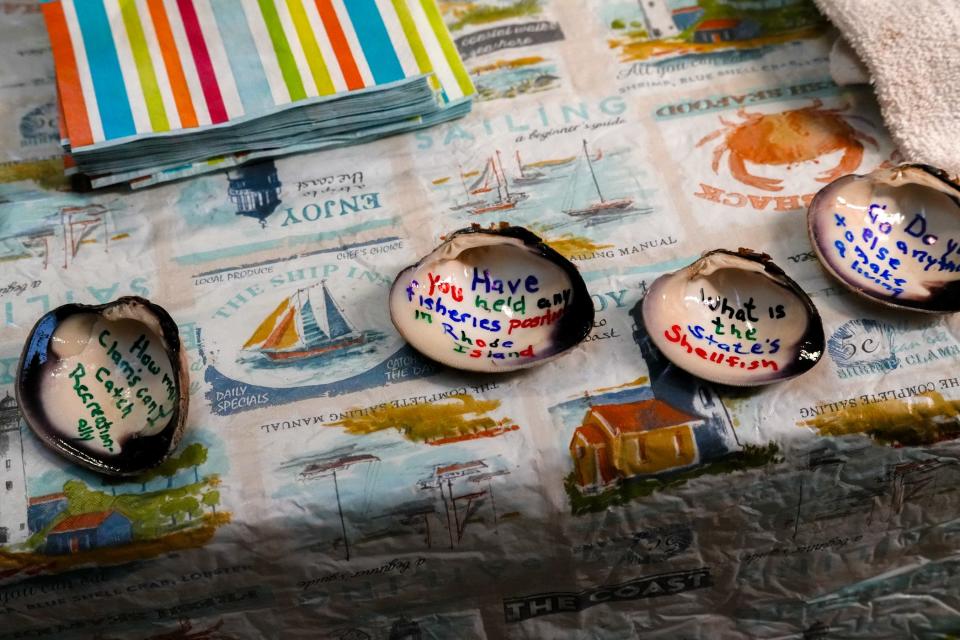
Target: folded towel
x=911, y=50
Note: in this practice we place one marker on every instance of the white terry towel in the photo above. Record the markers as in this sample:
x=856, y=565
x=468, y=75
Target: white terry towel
x=911, y=51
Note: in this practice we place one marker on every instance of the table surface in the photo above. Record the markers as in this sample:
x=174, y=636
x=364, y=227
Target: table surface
x=372, y=494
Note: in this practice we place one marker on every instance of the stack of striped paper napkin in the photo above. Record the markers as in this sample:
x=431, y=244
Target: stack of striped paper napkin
x=153, y=90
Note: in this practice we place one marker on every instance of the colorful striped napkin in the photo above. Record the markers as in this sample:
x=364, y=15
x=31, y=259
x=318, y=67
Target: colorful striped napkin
x=180, y=78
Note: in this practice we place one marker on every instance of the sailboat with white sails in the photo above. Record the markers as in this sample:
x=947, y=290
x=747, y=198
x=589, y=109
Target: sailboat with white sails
x=600, y=206
x=528, y=175
x=505, y=199
x=482, y=183
x=476, y=186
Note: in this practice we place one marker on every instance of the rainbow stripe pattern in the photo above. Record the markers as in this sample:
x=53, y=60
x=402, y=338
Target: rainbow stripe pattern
x=129, y=69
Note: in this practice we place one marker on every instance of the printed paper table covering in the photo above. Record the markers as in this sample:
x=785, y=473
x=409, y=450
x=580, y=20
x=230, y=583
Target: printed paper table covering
x=367, y=494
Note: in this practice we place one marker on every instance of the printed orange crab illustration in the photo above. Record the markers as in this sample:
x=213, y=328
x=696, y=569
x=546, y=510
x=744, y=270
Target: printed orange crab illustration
x=788, y=138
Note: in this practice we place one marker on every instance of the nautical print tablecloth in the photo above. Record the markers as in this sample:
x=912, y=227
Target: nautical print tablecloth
x=367, y=493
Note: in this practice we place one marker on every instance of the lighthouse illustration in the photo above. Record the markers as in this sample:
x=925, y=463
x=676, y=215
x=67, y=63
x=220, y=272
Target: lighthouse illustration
x=658, y=19
x=13, y=479
x=255, y=190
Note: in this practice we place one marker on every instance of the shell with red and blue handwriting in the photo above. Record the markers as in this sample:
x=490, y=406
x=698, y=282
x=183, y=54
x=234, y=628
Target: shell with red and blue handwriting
x=734, y=318
x=492, y=300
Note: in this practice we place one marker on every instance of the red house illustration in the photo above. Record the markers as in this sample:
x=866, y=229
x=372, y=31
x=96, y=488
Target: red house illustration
x=619, y=441
x=43, y=509
x=87, y=531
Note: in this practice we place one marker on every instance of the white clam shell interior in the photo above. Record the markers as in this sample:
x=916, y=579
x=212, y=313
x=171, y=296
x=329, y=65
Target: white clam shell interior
x=725, y=319
x=482, y=302
x=893, y=235
x=111, y=380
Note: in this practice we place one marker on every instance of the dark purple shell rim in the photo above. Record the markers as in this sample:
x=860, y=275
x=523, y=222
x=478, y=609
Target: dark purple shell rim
x=139, y=454
x=944, y=300
x=812, y=344
x=570, y=331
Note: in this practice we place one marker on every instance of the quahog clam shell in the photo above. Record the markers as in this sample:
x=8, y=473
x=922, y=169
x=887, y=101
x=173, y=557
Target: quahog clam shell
x=491, y=300
x=893, y=236
x=734, y=318
x=106, y=386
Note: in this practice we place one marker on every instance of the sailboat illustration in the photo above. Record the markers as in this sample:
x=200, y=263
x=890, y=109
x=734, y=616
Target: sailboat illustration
x=505, y=199
x=329, y=467
x=528, y=175
x=482, y=183
x=468, y=202
x=299, y=328
x=602, y=205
